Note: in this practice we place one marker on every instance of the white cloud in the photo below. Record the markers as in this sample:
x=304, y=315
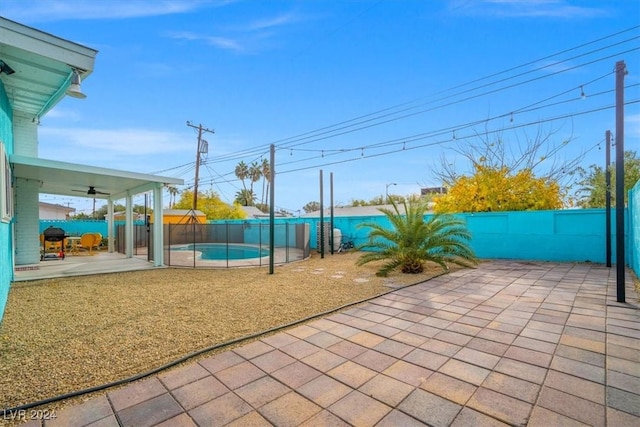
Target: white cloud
x=55, y=10
x=61, y=113
x=527, y=8
x=123, y=142
x=268, y=23
x=244, y=38
x=220, y=42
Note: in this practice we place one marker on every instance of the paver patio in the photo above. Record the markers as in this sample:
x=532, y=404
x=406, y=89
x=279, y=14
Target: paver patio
x=508, y=343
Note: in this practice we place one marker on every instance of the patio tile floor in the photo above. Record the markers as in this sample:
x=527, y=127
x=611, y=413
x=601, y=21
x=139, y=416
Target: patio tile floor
x=508, y=343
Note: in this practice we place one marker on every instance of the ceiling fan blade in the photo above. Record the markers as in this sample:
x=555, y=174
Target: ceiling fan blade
x=91, y=191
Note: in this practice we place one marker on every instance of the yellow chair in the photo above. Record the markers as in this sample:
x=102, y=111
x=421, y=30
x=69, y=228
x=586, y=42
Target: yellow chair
x=88, y=241
x=98, y=240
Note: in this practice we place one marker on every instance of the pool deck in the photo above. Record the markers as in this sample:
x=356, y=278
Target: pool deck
x=508, y=343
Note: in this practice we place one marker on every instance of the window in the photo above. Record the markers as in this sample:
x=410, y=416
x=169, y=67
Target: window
x=6, y=192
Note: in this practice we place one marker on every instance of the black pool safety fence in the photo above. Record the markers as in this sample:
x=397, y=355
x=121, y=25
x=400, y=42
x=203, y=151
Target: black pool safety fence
x=237, y=244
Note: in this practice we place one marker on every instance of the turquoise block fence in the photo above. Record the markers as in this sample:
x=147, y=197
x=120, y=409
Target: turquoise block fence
x=560, y=235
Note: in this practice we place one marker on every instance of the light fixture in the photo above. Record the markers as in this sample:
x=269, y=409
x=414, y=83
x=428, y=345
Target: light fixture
x=4, y=68
x=74, y=88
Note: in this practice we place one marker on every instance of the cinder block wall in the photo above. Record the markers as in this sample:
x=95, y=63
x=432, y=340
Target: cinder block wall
x=27, y=221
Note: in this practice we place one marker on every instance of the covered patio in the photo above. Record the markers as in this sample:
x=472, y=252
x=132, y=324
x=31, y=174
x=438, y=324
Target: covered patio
x=69, y=179
x=102, y=262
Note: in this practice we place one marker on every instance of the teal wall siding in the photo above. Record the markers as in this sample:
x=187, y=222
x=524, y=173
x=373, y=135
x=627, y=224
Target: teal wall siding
x=6, y=239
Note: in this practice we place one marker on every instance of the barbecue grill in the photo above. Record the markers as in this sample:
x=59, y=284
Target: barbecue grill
x=53, y=235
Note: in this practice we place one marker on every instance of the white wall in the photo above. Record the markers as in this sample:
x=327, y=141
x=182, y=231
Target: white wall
x=27, y=225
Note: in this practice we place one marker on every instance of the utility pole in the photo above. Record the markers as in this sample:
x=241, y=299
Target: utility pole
x=607, y=175
x=203, y=148
x=621, y=71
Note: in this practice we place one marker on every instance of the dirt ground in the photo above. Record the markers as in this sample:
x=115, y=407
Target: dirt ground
x=63, y=335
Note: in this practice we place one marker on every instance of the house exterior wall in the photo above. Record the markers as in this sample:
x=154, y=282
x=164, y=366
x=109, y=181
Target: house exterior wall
x=6, y=240
x=26, y=132
x=27, y=210
x=53, y=212
x=27, y=213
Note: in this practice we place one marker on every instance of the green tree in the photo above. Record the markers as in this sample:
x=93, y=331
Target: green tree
x=245, y=197
x=311, y=207
x=255, y=173
x=242, y=172
x=173, y=192
x=592, y=182
x=412, y=241
x=266, y=175
x=211, y=205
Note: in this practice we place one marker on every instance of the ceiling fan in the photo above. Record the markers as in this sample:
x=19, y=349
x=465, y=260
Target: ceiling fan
x=92, y=191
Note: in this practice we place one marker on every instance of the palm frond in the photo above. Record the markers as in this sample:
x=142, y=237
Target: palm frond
x=411, y=241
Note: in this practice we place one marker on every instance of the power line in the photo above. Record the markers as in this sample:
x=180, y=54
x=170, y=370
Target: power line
x=324, y=130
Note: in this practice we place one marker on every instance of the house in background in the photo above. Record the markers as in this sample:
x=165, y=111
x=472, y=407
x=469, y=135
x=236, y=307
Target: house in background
x=53, y=211
x=37, y=70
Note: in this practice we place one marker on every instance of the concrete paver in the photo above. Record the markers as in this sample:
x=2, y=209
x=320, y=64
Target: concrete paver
x=508, y=343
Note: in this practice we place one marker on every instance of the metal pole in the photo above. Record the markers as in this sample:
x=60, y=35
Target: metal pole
x=331, y=217
x=272, y=204
x=607, y=174
x=321, y=224
x=621, y=70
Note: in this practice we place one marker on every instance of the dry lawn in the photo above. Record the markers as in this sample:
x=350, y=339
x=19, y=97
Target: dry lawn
x=65, y=335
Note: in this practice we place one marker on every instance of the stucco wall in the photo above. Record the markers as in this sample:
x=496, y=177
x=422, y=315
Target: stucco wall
x=559, y=235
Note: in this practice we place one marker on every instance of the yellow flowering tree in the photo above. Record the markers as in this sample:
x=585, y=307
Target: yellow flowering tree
x=492, y=189
x=211, y=205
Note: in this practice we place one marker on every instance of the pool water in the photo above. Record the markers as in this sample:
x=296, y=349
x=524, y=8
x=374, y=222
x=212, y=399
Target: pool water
x=222, y=251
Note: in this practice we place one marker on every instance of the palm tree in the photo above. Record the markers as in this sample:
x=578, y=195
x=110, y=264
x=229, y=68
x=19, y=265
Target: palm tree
x=255, y=173
x=242, y=172
x=412, y=241
x=173, y=192
x=266, y=175
x=245, y=198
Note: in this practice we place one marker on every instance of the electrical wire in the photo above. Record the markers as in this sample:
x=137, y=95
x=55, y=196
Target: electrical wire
x=392, y=114
x=239, y=154
x=334, y=128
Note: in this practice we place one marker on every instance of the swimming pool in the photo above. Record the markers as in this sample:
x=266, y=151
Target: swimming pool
x=223, y=251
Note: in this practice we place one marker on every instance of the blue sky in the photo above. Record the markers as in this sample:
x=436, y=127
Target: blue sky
x=374, y=92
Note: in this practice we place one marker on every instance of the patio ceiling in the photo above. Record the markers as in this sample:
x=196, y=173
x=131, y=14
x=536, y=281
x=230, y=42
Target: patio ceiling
x=42, y=63
x=70, y=179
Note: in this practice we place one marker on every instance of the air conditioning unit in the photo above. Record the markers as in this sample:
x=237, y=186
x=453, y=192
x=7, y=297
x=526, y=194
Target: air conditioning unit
x=337, y=237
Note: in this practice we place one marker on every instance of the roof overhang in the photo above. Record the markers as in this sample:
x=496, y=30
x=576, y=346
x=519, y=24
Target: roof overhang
x=43, y=65
x=70, y=179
